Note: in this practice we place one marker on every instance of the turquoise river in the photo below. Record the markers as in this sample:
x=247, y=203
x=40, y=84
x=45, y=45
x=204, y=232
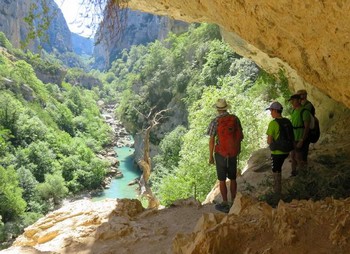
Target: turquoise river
x=119, y=188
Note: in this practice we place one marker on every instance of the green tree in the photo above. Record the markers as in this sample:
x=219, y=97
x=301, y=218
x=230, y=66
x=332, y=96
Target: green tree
x=11, y=202
x=194, y=176
x=4, y=42
x=38, y=157
x=30, y=128
x=74, y=101
x=62, y=116
x=9, y=113
x=218, y=62
x=53, y=188
x=28, y=183
x=168, y=158
x=4, y=137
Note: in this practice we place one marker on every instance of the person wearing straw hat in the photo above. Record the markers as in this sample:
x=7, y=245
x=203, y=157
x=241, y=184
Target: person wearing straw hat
x=226, y=134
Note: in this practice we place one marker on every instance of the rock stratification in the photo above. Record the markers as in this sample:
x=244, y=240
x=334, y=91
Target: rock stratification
x=123, y=226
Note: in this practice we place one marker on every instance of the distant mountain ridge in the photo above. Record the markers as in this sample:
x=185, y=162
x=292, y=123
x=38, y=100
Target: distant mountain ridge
x=82, y=45
x=140, y=28
x=58, y=36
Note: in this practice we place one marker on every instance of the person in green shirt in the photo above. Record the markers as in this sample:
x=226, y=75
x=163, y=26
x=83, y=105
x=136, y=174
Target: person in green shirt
x=301, y=124
x=277, y=156
x=305, y=102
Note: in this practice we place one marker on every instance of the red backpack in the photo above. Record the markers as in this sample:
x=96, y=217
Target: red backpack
x=230, y=135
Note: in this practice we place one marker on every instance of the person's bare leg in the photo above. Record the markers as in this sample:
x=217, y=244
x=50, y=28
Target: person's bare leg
x=223, y=190
x=233, y=189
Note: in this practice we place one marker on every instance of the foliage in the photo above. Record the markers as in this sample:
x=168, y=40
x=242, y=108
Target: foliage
x=11, y=202
x=4, y=42
x=168, y=158
x=38, y=20
x=194, y=170
x=39, y=133
x=270, y=88
x=2, y=231
x=154, y=75
x=9, y=114
x=53, y=188
x=27, y=182
x=194, y=68
x=218, y=62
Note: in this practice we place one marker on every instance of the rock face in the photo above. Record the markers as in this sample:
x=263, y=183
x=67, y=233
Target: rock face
x=59, y=38
x=123, y=226
x=82, y=45
x=254, y=227
x=12, y=15
x=309, y=40
x=139, y=28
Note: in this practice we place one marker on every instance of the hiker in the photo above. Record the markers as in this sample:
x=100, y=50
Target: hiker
x=314, y=133
x=305, y=102
x=226, y=134
x=301, y=125
x=280, y=138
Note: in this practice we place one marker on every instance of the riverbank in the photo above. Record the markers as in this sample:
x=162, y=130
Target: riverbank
x=120, y=139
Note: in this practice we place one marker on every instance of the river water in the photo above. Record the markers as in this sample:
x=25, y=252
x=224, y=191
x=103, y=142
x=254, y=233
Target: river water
x=119, y=188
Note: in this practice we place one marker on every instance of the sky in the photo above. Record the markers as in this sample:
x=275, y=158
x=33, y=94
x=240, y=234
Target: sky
x=73, y=12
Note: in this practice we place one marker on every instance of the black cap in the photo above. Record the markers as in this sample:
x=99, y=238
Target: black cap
x=295, y=96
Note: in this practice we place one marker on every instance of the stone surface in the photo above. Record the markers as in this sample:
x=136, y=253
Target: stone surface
x=12, y=15
x=309, y=40
x=138, y=28
x=123, y=226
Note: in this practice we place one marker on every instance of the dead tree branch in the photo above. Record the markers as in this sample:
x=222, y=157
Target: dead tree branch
x=153, y=119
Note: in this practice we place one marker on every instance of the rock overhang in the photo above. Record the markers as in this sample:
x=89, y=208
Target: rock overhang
x=310, y=41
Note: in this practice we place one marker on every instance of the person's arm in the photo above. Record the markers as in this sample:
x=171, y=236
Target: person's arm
x=269, y=139
x=211, y=149
x=269, y=133
x=306, y=130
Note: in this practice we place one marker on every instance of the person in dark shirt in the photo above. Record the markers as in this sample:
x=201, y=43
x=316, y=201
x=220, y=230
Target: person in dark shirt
x=225, y=153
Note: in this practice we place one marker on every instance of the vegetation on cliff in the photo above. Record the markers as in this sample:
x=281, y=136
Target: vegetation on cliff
x=188, y=73
x=49, y=138
x=50, y=133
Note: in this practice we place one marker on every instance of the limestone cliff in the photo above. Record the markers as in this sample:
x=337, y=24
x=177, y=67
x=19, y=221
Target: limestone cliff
x=12, y=15
x=138, y=28
x=123, y=226
x=309, y=40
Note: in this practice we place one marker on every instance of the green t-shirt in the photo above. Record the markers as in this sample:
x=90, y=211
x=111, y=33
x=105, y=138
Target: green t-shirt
x=274, y=130
x=298, y=122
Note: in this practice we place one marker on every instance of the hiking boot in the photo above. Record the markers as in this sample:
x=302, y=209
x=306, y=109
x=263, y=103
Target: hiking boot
x=223, y=207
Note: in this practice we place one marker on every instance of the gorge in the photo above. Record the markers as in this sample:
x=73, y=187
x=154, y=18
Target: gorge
x=309, y=42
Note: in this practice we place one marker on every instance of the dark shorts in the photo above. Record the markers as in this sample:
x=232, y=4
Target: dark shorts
x=277, y=162
x=225, y=167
